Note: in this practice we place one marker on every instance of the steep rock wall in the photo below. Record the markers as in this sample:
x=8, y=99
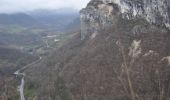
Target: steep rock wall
x=99, y=13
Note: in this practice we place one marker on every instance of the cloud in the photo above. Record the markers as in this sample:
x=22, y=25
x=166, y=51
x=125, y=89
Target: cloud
x=27, y=5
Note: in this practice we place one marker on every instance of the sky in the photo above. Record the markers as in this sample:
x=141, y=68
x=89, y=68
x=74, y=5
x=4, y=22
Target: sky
x=10, y=6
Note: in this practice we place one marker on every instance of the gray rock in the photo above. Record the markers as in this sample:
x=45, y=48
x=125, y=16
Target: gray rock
x=100, y=14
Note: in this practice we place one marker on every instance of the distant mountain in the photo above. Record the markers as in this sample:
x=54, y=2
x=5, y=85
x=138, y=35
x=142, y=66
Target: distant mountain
x=54, y=19
x=43, y=12
x=74, y=25
x=17, y=18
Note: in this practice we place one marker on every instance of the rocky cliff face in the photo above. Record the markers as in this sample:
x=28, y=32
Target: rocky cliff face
x=154, y=11
x=102, y=12
x=96, y=16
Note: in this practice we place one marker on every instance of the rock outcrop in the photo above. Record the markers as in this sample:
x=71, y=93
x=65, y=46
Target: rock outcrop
x=102, y=12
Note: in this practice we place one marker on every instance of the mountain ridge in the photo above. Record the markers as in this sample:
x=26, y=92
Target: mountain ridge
x=113, y=57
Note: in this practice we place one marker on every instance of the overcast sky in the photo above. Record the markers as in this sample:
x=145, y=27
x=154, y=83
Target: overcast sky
x=26, y=5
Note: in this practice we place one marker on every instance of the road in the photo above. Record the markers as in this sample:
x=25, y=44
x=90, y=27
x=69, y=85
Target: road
x=18, y=73
x=45, y=40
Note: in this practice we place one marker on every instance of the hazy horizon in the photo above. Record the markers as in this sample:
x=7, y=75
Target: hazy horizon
x=15, y=6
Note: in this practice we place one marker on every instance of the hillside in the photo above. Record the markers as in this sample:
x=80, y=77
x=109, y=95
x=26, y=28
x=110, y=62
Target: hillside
x=122, y=53
x=11, y=60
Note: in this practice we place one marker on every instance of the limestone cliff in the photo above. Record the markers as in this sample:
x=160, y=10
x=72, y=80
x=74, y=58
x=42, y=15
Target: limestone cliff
x=102, y=12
